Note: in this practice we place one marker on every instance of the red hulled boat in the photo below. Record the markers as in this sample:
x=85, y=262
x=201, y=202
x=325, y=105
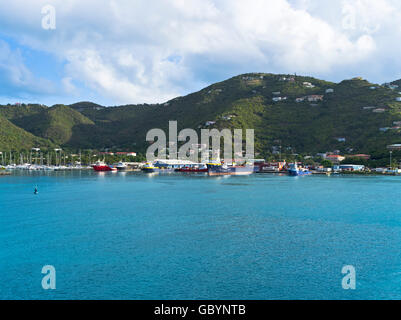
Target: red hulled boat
x=102, y=167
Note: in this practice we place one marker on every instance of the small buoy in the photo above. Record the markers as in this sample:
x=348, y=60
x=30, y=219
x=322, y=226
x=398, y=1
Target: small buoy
x=36, y=191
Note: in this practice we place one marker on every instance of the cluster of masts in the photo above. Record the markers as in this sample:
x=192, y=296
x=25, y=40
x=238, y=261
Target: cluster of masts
x=35, y=160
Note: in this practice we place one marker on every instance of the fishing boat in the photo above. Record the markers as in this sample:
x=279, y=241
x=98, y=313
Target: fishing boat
x=101, y=166
x=216, y=169
x=295, y=171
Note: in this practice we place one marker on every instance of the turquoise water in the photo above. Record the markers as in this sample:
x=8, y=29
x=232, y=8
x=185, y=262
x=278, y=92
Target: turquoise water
x=134, y=236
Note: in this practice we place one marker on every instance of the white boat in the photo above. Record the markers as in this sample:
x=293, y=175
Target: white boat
x=121, y=166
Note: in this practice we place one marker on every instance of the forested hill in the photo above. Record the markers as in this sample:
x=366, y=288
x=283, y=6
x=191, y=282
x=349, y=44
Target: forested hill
x=303, y=114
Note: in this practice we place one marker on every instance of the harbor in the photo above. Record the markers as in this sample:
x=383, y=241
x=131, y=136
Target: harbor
x=245, y=230
x=214, y=168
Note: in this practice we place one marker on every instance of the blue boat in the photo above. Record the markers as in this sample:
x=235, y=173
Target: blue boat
x=295, y=171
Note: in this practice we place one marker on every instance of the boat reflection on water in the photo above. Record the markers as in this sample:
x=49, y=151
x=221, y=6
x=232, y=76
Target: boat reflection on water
x=150, y=168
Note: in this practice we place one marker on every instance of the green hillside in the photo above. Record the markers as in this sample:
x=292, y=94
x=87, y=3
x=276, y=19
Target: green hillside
x=15, y=138
x=352, y=116
x=59, y=124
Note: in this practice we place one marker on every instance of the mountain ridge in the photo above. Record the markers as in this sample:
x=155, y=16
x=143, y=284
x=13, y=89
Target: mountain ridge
x=301, y=113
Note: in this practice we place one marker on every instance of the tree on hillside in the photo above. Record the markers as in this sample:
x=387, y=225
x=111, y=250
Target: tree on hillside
x=356, y=161
x=327, y=164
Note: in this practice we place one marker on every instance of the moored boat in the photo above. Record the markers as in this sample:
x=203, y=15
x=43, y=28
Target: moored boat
x=225, y=170
x=149, y=168
x=121, y=166
x=193, y=169
x=101, y=166
x=295, y=171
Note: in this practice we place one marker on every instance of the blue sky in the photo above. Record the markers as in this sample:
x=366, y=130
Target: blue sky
x=122, y=51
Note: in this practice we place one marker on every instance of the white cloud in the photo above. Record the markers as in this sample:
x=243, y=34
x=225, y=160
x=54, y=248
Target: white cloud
x=150, y=51
x=16, y=77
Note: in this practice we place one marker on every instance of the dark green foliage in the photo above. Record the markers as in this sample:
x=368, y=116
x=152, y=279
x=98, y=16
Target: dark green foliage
x=326, y=163
x=15, y=138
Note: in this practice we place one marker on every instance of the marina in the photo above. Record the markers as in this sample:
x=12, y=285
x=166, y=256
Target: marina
x=210, y=168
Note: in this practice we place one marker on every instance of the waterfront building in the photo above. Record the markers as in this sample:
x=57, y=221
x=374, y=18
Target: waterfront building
x=335, y=158
x=349, y=167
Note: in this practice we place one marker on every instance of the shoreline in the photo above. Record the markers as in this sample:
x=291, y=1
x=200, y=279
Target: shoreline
x=315, y=174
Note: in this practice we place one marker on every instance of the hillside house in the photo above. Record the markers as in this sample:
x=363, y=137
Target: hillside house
x=129, y=154
x=248, y=78
x=372, y=88
x=391, y=86
x=210, y=123
x=290, y=79
x=341, y=139
x=384, y=129
x=369, y=108
x=329, y=90
x=229, y=117
x=311, y=98
x=308, y=85
x=397, y=123
x=315, y=98
x=335, y=158
x=398, y=99
x=323, y=155
x=379, y=110
x=394, y=147
x=277, y=99
x=277, y=93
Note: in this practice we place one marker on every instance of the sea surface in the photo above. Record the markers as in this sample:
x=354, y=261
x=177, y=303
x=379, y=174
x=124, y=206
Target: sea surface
x=173, y=236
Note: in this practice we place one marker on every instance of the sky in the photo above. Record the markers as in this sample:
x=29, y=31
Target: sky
x=115, y=52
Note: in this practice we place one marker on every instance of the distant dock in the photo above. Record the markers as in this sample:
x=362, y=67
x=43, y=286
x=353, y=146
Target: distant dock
x=4, y=173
